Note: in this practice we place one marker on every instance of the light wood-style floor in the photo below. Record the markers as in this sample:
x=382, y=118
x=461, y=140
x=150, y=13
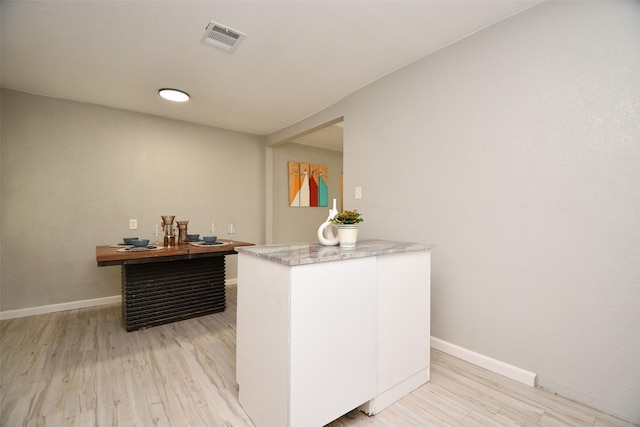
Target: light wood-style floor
x=81, y=368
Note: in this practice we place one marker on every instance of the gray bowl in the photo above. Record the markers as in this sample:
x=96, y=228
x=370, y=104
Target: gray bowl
x=140, y=243
x=210, y=239
x=129, y=240
x=193, y=237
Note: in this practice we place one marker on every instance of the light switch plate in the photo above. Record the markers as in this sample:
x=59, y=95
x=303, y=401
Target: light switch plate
x=133, y=224
x=358, y=192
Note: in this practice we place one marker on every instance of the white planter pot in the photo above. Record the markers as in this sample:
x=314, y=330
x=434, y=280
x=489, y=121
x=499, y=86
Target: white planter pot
x=347, y=235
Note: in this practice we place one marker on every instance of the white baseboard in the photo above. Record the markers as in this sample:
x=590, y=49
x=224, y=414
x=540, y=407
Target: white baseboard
x=486, y=362
x=52, y=308
x=72, y=305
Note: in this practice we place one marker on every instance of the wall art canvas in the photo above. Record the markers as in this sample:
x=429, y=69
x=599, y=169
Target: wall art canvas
x=308, y=185
x=323, y=186
x=294, y=183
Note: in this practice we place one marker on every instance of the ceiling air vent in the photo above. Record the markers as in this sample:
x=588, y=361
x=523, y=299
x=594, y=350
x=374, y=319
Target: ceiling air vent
x=223, y=37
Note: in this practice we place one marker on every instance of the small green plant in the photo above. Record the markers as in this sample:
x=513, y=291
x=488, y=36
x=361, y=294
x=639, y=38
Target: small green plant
x=347, y=217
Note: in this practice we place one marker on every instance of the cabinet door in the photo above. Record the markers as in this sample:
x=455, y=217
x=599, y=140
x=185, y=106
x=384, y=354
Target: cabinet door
x=404, y=317
x=333, y=342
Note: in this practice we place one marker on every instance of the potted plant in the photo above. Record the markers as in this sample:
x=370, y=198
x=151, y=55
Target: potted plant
x=347, y=224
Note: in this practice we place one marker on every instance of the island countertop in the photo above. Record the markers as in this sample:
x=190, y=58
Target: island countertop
x=293, y=254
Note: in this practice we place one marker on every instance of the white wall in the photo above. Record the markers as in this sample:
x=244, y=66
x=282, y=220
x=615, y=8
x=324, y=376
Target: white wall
x=301, y=224
x=73, y=175
x=517, y=152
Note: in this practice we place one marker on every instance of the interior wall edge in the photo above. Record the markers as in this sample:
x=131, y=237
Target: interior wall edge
x=330, y=115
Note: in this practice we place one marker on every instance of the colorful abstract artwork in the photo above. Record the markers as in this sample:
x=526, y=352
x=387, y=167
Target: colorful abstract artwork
x=308, y=185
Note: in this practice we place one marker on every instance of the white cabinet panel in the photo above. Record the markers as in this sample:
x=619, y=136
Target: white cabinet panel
x=403, y=317
x=403, y=325
x=262, y=340
x=333, y=341
x=317, y=340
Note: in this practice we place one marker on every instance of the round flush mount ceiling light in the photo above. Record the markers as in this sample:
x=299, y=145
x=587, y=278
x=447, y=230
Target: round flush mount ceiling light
x=174, y=95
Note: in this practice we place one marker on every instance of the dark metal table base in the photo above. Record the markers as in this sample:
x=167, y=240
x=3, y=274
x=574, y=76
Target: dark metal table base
x=164, y=292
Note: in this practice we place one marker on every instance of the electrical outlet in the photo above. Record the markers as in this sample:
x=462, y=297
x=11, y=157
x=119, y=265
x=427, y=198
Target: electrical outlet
x=358, y=192
x=133, y=224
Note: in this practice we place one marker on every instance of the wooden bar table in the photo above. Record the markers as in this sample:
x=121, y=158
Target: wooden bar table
x=169, y=284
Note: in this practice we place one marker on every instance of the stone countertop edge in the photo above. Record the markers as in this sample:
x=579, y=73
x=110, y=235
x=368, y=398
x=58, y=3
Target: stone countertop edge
x=293, y=254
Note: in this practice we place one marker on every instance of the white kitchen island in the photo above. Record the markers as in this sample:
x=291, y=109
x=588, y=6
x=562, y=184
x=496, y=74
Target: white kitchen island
x=323, y=330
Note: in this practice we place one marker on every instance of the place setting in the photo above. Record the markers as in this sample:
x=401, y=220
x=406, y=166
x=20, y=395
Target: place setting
x=205, y=241
x=211, y=240
x=134, y=244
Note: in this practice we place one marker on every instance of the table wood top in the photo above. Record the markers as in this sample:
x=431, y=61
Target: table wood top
x=110, y=255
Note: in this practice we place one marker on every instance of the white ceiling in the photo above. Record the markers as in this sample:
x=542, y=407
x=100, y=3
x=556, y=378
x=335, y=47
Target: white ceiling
x=297, y=58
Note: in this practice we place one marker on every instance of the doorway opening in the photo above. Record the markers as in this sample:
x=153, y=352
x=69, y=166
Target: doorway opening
x=321, y=145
